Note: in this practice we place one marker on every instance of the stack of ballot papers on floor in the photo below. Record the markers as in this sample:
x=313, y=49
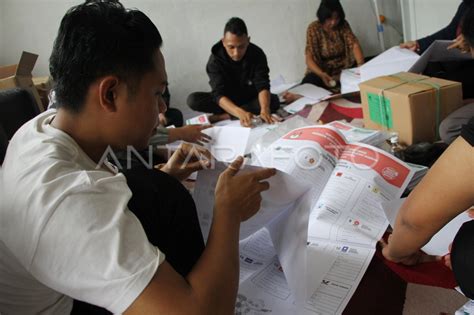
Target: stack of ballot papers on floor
x=356, y=134
x=311, y=95
x=308, y=247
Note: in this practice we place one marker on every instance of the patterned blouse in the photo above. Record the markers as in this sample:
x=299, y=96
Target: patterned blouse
x=332, y=51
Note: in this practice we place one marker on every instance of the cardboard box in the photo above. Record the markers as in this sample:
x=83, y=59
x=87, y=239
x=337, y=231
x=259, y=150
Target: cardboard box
x=19, y=75
x=407, y=103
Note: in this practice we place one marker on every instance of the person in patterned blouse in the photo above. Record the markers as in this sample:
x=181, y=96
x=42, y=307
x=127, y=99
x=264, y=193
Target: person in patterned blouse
x=331, y=46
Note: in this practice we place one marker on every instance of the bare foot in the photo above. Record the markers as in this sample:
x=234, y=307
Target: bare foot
x=290, y=97
x=218, y=117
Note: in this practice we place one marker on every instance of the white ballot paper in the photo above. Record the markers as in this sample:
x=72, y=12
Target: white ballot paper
x=311, y=91
x=308, y=248
x=299, y=104
x=439, y=243
x=392, y=61
x=349, y=181
x=227, y=142
x=438, y=51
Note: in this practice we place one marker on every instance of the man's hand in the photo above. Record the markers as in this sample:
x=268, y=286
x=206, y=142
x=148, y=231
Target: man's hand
x=186, y=160
x=414, y=259
x=460, y=43
x=194, y=134
x=238, y=195
x=411, y=45
x=162, y=119
x=245, y=119
x=267, y=117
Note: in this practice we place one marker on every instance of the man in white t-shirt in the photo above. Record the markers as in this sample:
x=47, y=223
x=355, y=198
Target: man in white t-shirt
x=65, y=229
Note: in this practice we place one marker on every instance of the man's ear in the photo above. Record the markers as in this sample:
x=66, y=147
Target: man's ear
x=108, y=93
x=248, y=37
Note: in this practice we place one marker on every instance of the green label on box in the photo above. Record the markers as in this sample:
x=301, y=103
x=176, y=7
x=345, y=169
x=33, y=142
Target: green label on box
x=380, y=110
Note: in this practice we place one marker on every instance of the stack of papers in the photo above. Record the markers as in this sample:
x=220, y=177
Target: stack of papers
x=420, y=172
x=356, y=134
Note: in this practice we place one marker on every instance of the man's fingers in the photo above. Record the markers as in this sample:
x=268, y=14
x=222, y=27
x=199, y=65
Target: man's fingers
x=263, y=186
x=263, y=173
x=205, y=137
x=235, y=166
x=197, y=166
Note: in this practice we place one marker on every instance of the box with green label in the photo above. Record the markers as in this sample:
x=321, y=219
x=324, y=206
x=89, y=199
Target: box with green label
x=411, y=104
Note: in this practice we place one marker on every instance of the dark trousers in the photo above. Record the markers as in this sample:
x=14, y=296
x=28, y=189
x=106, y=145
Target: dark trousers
x=204, y=102
x=462, y=256
x=313, y=79
x=168, y=215
x=459, y=71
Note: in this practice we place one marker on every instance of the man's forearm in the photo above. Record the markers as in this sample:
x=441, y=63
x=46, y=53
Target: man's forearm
x=216, y=275
x=230, y=107
x=264, y=101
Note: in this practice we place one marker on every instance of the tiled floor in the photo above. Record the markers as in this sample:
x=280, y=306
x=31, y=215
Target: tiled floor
x=425, y=300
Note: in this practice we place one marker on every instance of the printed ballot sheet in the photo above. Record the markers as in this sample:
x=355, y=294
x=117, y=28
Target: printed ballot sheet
x=227, y=142
x=308, y=247
x=283, y=193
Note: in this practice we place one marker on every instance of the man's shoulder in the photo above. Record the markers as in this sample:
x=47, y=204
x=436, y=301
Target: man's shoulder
x=255, y=52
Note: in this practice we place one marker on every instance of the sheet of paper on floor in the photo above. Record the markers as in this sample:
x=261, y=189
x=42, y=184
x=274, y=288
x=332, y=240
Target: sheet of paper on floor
x=439, y=243
x=311, y=91
x=279, y=85
x=299, y=104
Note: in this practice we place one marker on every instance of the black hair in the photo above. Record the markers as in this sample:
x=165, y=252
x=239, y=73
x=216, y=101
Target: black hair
x=468, y=27
x=327, y=8
x=236, y=26
x=99, y=38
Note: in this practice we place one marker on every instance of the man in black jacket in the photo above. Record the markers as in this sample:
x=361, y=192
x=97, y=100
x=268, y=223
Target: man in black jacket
x=460, y=71
x=238, y=75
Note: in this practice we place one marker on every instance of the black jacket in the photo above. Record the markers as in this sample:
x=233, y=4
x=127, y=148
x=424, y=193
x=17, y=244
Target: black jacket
x=240, y=81
x=449, y=32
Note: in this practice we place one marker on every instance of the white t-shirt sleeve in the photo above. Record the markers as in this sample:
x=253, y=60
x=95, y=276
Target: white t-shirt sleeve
x=94, y=249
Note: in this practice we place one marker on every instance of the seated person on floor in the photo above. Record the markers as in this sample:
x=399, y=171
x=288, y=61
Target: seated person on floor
x=460, y=71
x=66, y=228
x=451, y=126
x=444, y=193
x=172, y=116
x=238, y=75
x=331, y=46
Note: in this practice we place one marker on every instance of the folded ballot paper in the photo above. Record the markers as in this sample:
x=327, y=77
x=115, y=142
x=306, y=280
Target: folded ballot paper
x=307, y=249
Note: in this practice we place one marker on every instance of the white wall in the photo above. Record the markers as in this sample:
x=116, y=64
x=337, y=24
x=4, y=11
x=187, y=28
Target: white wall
x=424, y=17
x=190, y=27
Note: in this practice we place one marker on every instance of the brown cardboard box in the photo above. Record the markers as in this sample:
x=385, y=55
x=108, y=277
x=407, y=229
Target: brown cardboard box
x=20, y=76
x=407, y=103
x=43, y=86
